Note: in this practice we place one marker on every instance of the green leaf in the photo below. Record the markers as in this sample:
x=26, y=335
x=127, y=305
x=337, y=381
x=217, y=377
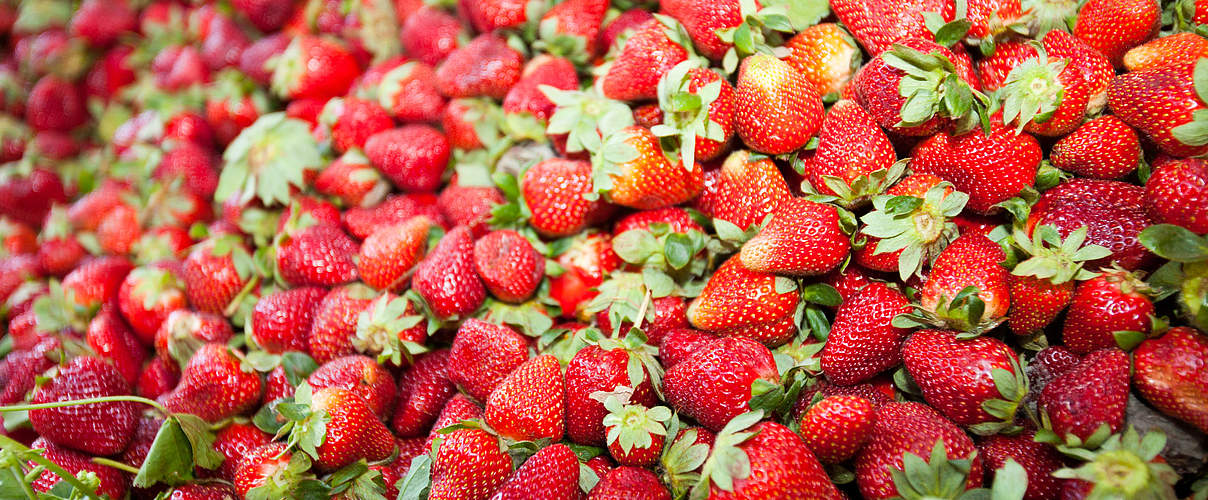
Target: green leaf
x=414, y=486
x=201, y=440
x=1174, y=243
x=822, y=294
x=952, y=32
x=678, y=250
x=1128, y=339
x=802, y=13
x=166, y=461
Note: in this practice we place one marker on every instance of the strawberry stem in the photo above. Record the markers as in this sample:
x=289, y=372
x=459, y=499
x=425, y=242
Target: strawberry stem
x=114, y=464
x=25, y=485
x=12, y=445
x=87, y=401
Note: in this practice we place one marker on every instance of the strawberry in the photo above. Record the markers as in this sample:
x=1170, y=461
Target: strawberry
x=892, y=88
x=423, y=390
x=184, y=331
x=363, y=377
x=553, y=472
x=22, y=367
x=391, y=252
x=320, y=255
x=214, y=385
x=1179, y=48
x=281, y=321
x=528, y=404
x=409, y=92
x=679, y=343
x=1112, y=211
x=16, y=238
x=118, y=230
x=147, y=296
x=430, y=34
x=1039, y=461
x=354, y=121
x=739, y=302
x=553, y=190
x=391, y=329
x=968, y=267
x=705, y=123
x=635, y=433
x=1177, y=193
x=1114, y=26
x=314, y=67
x=202, y=492
x=635, y=172
x=1142, y=470
x=488, y=16
x=267, y=468
x=1042, y=285
x=460, y=117
x=651, y=50
x=863, y=340
x=469, y=205
x=111, y=482
x=413, y=157
x=266, y=15
x=97, y=281
x=28, y=199
x=633, y=483
x=906, y=234
x=776, y=109
x=335, y=321
x=1166, y=374
x=235, y=441
x=803, y=238
x=774, y=461
x=1044, y=96
x=352, y=180
x=468, y=464
x=878, y=24
x=826, y=55
x=487, y=66
x=589, y=259
x=836, y=427
x=527, y=97
x=670, y=312
x=1164, y=106
x=483, y=354
x=179, y=67
x=100, y=23
x=110, y=338
x=853, y=151
x=361, y=222
x=570, y=29
x=336, y=427
x=1115, y=301
x=457, y=408
x=446, y=278
x=915, y=429
x=97, y=428
x=977, y=383
x=990, y=168
x=159, y=377
x=215, y=271
x=1088, y=400
x=713, y=384
x=1103, y=148
x=55, y=104
x=602, y=368
x=508, y=265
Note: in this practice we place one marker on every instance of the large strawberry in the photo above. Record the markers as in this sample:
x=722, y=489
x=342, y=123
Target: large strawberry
x=743, y=191
x=1103, y=148
x=528, y=404
x=336, y=427
x=836, y=427
x=900, y=88
x=1112, y=211
x=1114, y=26
x=314, y=67
x=713, y=385
x=446, y=278
x=1086, y=403
x=990, y=167
x=1177, y=193
x=487, y=66
x=977, y=383
x=863, y=340
x=652, y=49
x=214, y=385
x=739, y=302
x=776, y=109
x=803, y=238
x=1164, y=105
x=915, y=429
x=1168, y=374
x=853, y=157
x=483, y=354
x=553, y=472
x=468, y=464
x=967, y=274
x=98, y=428
x=111, y=482
x=320, y=255
x=752, y=459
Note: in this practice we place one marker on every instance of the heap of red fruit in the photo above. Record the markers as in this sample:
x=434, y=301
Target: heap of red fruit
x=594, y=249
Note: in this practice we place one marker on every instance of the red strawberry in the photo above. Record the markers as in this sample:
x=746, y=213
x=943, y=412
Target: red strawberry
x=743, y=191
x=202, y=492
x=158, y=378
x=446, y=278
x=140, y=445
x=430, y=34
x=457, y=408
x=1112, y=302
x=28, y=199
x=97, y=428
x=914, y=428
x=281, y=321
x=184, y=331
x=905, y=237
x=553, y=472
x=483, y=354
x=895, y=99
x=468, y=464
x=320, y=255
x=836, y=427
x=878, y=24
x=1039, y=461
x=596, y=369
x=22, y=367
x=409, y=92
x=355, y=121
x=670, y=313
x=267, y=15
x=776, y=109
x=215, y=271
x=361, y=222
x=1043, y=284
x=970, y=261
x=634, y=483
x=1112, y=211
x=570, y=29
x=803, y=238
x=352, y=180
x=778, y=463
x=826, y=55
x=363, y=377
x=1091, y=395
x=713, y=385
x=1166, y=374
x=335, y=321
x=235, y=441
x=990, y=168
x=1177, y=193
x=587, y=262
x=423, y=390
x=1179, y=48
x=646, y=179
x=55, y=104
x=509, y=266
x=1164, y=106
x=528, y=404
x=526, y=95
x=487, y=66
x=977, y=382
x=390, y=253
x=1114, y=26
x=97, y=281
x=651, y=50
x=466, y=205
x=179, y=67
x=111, y=482
x=863, y=341
x=110, y=338
x=351, y=432
x=147, y=296
x=853, y=150
x=739, y=302
x=314, y=67
x=1103, y=148
x=101, y=22
x=553, y=190
x=214, y=385
x=413, y=157
x=267, y=466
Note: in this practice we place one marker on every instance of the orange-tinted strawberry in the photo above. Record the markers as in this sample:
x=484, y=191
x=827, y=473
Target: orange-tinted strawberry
x=863, y=341
x=739, y=302
x=1103, y=148
x=413, y=157
x=990, y=168
x=1164, y=106
x=1179, y=48
x=640, y=176
x=1114, y=26
x=650, y=51
x=1177, y=193
x=913, y=428
x=391, y=252
x=826, y=55
x=314, y=67
x=713, y=384
x=352, y=180
x=836, y=427
x=487, y=66
x=1166, y=374
x=214, y=385
x=776, y=109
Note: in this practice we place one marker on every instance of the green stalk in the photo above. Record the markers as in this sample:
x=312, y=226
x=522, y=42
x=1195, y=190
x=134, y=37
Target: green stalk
x=88, y=401
x=11, y=444
x=114, y=464
x=25, y=485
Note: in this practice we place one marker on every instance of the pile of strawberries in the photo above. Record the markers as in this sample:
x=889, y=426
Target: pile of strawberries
x=582, y=249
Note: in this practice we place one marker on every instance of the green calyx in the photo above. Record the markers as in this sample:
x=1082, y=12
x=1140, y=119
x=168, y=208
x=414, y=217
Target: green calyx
x=1044, y=16
x=58, y=310
x=754, y=35
x=642, y=364
x=964, y=312
x=290, y=481
x=686, y=112
x=1125, y=467
x=1033, y=90
x=267, y=159
x=633, y=426
x=658, y=247
x=380, y=328
x=1050, y=257
x=860, y=190
x=932, y=88
x=585, y=116
x=919, y=227
x=682, y=458
x=1012, y=386
x=1195, y=132
x=728, y=462
x=935, y=477
x=305, y=427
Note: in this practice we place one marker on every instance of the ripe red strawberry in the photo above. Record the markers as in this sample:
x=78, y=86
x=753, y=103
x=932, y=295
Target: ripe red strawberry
x=886, y=89
x=528, y=404
x=651, y=50
x=335, y=321
x=483, y=354
x=100, y=23
x=1044, y=95
x=1089, y=395
x=713, y=385
x=413, y=157
x=215, y=271
x=140, y=445
x=970, y=261
x=1112, y=211
x=1114, y=26
x=904, y=238
x=703, y=21
x=16, y=238
x=320, y=255
x=587, y=262
x=1164, y=106
x=1166, y=374
x=314, y=67
x=1042, y=285
x=158, y=378
x=470, y=206
x=235, y=441
x=457, y=408
x=1177, y=193
x=352, y=432
x=990, y=168
x=743, y=191
x=777, y=463
x=352, y=180
x=97, y=281
x=487, y=66
x=28, y=199
x=363, y=377
x=776, y=109
x=645, y=179
x=267, y=15
x=635, y=433
x=179, y=67
x=508, y=264
x=97, y=428
x=391, y=252
x=55, y=104
x=468, y=464
x=1039, y=461
x=446, y=278
x=553, y=472
x=633, y=483
x=916, y=429
x=595, y=369
x=22, y=367
x=361, y=222
x=851, y=147
x=409, y=93
x=354, y=122
x=553, y=190
x=423, y=390
x=803, y=238
x=214, y=385
x=826, y=55
x=670, y=313
x=111, y=482
x=836, y=427
x=199, y=491
x=184, y=331
x=1103, y=148
x=739, y=302
x=430, y=34
x=147, y=296
x=266, y=466
x=1112, y=302
x=527, y=97
x=570, y=29
x=977, y=383
x=281, y=321
x=878, y=24
x=1179, y=48
x=110, y=338
x=863, y=341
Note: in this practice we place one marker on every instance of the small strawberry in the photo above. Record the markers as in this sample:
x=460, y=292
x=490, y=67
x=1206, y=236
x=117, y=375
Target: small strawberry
x=739, y=302
x=743, y=191
x=1164, y=105
x=97, y=428
x=353, y=180
x=751, y=459
x=487, y=66
x=468, y=464
x=314, y=67
x=900, y=90
x=446, y=278
x=553, y=191
x=836, y=427
x=634, y=171
x=214, y=385
x=147, y=296
x=110, y=338
x=389, y=255
x=1103, y=148
x=1167, y=374
x=336, y=428
x=651, y=50
x=1177, y=193
x=826, y=55
x=1179, y=48
x=423, y=390
x=430, y=34
x=863, y=340
x=526, y=97
x=776, y=110
x=854, y=157
x=965, y=274
x=1114, y=26
x=713, y=384
x=363, y=377
x=353, y=121
x=1087, y=402
x=1042, y=285
x=281, y=321
x=508, y=265
x=990, y=167
x=413, y=157
x=978, y=382
x=915, y=429
x=97, y=281
x=335, y=321
x=483, y=354
x=635, y=433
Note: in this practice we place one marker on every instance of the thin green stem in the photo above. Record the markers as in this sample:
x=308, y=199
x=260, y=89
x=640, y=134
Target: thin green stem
x=11, y=444
x=88, y=401
x=114, y=464
x=25, y=485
